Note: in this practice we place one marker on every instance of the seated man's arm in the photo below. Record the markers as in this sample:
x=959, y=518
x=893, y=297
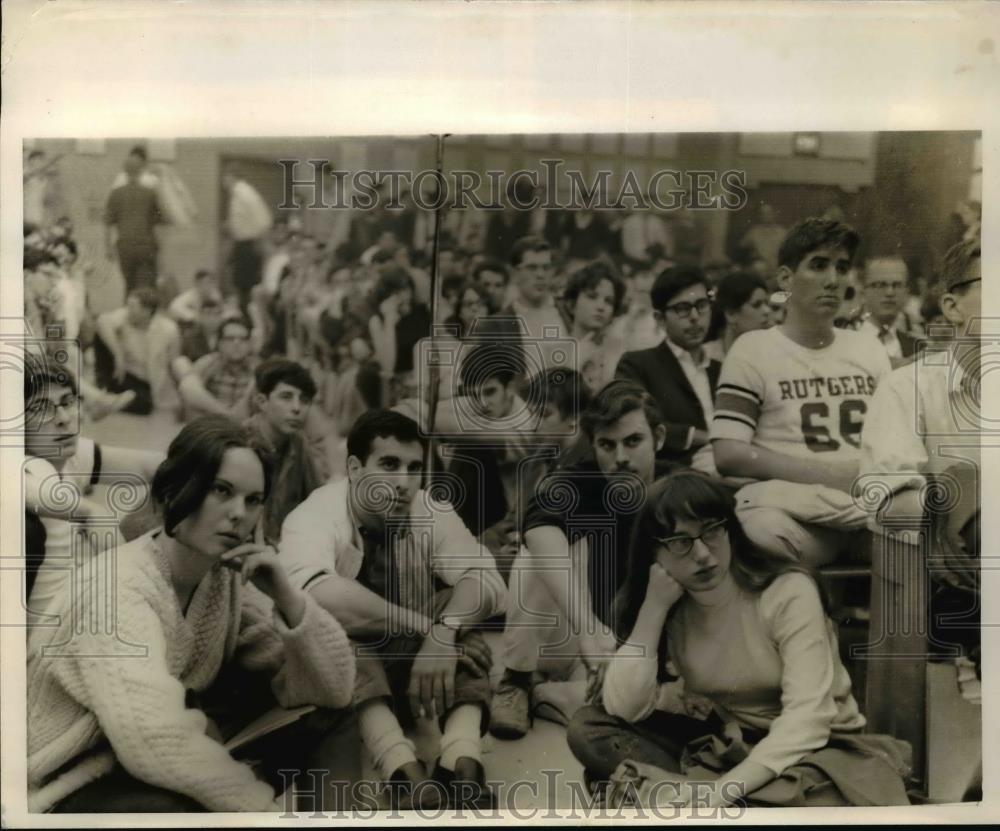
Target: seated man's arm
x=740, y=397
x=462, y=562
x=742, y=459
x=309, y=550
x=107, y=329
x=570, y=585
x=893, y=455
x=194, y=392
x=360, y=611
x=118, y=460
x=184, y=308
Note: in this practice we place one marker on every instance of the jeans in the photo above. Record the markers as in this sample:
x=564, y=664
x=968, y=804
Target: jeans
x=601, y=741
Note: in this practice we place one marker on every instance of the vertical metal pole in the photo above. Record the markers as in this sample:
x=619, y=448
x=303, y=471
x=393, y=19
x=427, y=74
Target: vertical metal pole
x=434, y=375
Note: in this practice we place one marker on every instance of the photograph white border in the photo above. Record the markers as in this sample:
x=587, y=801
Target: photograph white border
x=143, y=68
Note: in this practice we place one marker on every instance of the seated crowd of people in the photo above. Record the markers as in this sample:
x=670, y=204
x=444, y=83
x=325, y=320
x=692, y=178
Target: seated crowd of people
x=636, y=468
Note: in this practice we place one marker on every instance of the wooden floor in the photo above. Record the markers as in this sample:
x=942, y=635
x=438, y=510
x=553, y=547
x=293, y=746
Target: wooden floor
x=954, y=728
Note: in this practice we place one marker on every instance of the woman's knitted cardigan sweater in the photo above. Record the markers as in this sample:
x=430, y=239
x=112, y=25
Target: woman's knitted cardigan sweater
x=94, y=697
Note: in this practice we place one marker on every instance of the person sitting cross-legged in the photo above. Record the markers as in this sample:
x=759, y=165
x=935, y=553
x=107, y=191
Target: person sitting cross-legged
x=764, y=715
x=221, y=382
x=411, y=585
x=575, y=533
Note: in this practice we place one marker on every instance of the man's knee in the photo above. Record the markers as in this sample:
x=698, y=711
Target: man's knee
x=371, y=682
x=776, y=532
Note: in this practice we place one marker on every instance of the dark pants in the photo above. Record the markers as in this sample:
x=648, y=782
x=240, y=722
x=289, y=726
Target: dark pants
x=324, y=741
x=601, y=741
x=247, y=264
x=383, y=671
x=138, y=266
x=104, y=371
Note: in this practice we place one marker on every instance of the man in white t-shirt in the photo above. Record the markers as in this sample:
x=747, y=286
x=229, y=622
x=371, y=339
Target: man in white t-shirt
x=60, y=472
x=791, y=403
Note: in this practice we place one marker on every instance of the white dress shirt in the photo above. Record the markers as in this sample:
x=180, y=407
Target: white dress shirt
x=886, y=336
x=697, y=375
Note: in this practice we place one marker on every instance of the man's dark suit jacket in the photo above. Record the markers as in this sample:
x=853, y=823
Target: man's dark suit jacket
x=661, y=374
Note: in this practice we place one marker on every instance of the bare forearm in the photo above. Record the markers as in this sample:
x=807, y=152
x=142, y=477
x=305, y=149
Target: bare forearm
x=567, y=584
x=470, y=601
x=362, y=612
x=193, y=391
x=736, y=458
x=109, y=335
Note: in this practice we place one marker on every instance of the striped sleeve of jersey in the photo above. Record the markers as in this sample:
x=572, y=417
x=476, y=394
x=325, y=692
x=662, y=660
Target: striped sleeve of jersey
x=738, y=399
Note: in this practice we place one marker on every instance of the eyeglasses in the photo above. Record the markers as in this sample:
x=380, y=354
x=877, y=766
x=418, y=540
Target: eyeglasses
x=44, y=411
x=882, y=285
x=681, y=546
x=685, y=309
x=234, y=337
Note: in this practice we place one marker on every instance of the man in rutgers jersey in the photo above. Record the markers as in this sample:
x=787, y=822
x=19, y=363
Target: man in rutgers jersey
x=791, y=403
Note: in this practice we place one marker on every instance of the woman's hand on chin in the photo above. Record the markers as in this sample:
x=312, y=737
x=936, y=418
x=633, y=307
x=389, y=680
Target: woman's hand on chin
x=260, y=565
x=663, y=589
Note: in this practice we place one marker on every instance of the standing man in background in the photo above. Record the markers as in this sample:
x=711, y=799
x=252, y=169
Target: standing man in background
x=133, y=211
x=248, y=220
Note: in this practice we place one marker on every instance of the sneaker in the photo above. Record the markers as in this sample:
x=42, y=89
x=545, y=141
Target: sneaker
x=510, y=711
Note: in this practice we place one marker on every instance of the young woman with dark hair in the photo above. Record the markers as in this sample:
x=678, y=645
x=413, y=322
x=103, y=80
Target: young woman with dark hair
x=766, y=709
x=740, y=305
x=594, y=298
x=111, y=726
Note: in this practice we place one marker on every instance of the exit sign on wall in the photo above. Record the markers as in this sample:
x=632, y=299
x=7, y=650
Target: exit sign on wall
x=806, y=144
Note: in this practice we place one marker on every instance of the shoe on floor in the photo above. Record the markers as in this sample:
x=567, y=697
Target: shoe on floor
x=557, y=701
x=409, y=788
x=510, y=711
x=466, y=785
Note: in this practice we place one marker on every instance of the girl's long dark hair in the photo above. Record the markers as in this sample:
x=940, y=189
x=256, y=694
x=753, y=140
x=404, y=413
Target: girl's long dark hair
x=184, y=478
x=455, y=318
x=691, y=495
x=733, y=291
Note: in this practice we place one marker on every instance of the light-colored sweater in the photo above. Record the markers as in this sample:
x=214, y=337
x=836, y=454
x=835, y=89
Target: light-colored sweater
x=102, y=697
x=766, y=660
